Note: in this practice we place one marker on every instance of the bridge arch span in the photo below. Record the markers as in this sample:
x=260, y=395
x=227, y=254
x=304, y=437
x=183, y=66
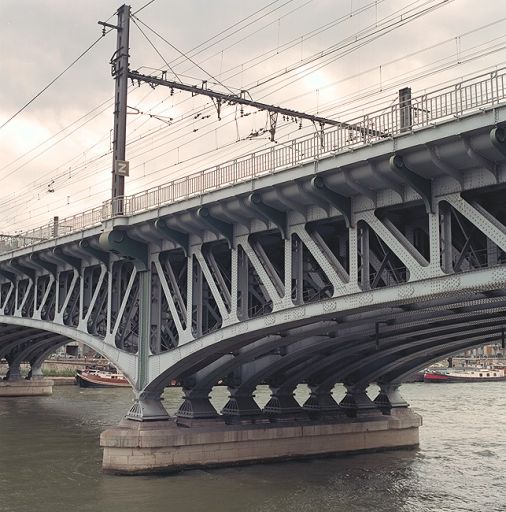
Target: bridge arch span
x=47, y=336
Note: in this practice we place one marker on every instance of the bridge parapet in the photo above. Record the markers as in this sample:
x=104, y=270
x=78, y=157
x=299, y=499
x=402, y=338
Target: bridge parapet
x=458, y=100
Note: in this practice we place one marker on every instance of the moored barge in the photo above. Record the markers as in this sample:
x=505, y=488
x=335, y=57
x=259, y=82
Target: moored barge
x=465, y=375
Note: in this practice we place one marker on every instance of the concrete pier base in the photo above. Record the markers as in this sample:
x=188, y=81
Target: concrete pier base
x=148, y=447
x=22, y=387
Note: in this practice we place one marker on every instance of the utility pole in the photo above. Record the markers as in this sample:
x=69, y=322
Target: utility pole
x=119, y=63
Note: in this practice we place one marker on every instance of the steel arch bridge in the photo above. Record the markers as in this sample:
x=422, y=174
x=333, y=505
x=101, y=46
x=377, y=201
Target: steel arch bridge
x=358, y=265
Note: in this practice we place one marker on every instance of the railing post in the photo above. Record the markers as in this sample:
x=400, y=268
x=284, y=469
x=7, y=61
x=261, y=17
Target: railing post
x=458, y=99
x=236, y=179
x=494, y=87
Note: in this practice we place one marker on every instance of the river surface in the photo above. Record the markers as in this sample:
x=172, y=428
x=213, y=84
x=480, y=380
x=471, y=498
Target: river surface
x=50, y=461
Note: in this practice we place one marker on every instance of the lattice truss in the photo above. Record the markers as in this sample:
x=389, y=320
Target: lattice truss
x=330, y=277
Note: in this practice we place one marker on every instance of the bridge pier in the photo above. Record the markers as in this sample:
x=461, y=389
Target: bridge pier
x=389, y=397
x=321, y=403
x=197, y=407
x=357, y=402
x=241, y=408
x=14, y=385
x=164, y=446
x=147, y=407
x=283, y=406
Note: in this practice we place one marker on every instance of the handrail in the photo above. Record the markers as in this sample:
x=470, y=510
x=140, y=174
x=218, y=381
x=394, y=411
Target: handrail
x=427, y=109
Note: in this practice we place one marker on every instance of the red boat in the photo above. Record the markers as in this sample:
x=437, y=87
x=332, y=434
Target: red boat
x=465, y=375
x=93, y=378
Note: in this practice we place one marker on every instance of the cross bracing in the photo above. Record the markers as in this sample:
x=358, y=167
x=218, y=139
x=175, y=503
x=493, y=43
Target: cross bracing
x=357, y=268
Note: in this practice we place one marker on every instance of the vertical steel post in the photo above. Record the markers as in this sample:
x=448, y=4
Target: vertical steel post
x=144, y=328
x=120, y=65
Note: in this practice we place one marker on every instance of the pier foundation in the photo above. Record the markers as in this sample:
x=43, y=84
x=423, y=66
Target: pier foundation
x=23, y=387
x=163, y=446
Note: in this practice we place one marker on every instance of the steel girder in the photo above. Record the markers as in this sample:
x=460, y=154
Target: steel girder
x=251, y=283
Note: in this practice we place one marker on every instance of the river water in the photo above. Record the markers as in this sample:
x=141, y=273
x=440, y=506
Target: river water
x=50, y=461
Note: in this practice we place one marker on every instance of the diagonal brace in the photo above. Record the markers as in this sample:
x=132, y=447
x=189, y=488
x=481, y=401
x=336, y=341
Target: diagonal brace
x=27, y=271
x=8, y=275
x=276, y=216
x=179, y=238
x=421, y=185
x=224, y=228
x=67, y=258
x=46, y=265
x=340, y=202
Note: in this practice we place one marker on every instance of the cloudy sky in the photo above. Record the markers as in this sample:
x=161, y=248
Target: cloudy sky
x=337, y=58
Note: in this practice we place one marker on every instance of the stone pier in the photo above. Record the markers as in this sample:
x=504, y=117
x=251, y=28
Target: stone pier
x=163, y=446
x=23, y=387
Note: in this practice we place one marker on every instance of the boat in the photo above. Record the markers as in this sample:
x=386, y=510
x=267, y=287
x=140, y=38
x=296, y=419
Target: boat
x=465, y=375
x=101, y=378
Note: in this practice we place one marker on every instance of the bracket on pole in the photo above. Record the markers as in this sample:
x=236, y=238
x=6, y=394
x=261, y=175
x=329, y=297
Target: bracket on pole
x=278, y=217
x=118, y=242
x=101, y=256
x=224, y=228
x=421, y=185
x=340, y=202
x=179, y=238
x=46, y=265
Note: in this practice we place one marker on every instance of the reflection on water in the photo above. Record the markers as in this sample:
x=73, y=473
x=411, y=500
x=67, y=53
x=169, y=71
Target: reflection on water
x=50, y=460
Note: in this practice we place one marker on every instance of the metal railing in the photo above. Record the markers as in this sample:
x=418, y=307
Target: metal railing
x=428, y=109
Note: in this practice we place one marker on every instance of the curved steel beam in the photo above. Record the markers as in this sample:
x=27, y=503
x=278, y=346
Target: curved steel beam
x=323, y=367
x=346, y=370
x=409, y=320
x=124, y=361
x=436, y=352
x=24, y=354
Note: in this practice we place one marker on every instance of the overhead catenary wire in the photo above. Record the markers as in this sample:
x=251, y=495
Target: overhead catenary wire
x=156, y=50
x=223, y=31
x=46, y=87
x=189, y=116
x=182, y=53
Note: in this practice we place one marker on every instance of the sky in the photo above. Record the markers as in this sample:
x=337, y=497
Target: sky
x=335, y=58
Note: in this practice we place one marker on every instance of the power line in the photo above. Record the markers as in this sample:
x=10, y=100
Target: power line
x=54, y=80
x=181, y=53
x=144, y=6
x=141, y=164
x=156, y=49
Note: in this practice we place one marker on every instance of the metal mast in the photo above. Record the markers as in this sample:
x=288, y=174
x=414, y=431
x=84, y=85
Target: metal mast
x=119, y=63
